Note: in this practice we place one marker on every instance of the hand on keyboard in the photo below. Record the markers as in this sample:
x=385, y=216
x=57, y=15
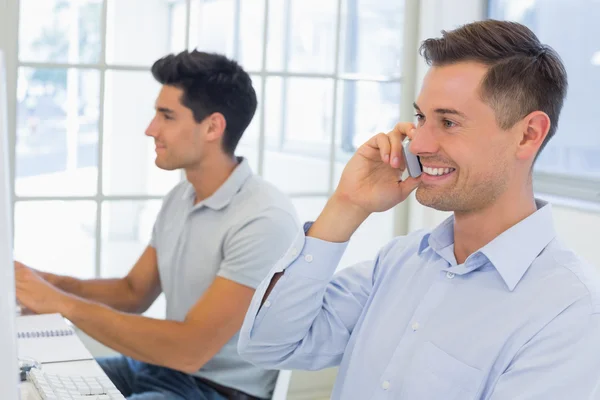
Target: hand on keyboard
x=57, y=387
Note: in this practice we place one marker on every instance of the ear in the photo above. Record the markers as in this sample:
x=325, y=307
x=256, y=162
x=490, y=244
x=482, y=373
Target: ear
x=216, y=127
x=535, y=129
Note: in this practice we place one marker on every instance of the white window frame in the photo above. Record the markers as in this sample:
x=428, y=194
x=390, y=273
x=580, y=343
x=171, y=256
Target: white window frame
x=9, y=43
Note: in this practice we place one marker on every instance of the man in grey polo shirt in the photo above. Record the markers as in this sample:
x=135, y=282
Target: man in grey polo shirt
x=214, y=240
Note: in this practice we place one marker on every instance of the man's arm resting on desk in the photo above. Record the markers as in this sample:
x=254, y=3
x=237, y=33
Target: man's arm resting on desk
x=134, y=293
x=559, y=362
x=183, y=346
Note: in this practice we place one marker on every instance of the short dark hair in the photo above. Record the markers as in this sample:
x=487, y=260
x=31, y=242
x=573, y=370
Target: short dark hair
x=211, y=83
x=524, y=75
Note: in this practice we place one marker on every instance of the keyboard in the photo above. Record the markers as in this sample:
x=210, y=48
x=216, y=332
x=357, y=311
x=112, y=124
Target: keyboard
x=62, y=387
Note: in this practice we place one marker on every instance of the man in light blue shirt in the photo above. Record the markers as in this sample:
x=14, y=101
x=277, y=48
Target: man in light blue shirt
x=490, y=304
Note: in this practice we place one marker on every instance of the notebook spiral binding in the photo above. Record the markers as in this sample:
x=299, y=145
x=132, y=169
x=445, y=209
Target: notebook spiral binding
x=41, y=334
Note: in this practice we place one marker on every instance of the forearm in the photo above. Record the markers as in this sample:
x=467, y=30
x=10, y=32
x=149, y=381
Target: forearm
x=170, y=344
x=291, y=319
x=337, y=223
x=115, y=293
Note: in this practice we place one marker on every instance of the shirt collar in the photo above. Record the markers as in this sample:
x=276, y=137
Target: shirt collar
x=440, y=238
x=511, y=253
x=222, y=197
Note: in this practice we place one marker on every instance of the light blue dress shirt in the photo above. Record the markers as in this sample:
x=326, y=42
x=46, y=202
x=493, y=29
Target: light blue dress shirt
x=518, y=320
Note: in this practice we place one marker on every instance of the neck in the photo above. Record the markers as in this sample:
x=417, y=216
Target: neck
x=473, y=230
x=208, y=176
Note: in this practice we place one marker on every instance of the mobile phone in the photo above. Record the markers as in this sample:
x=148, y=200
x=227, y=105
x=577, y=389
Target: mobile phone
x=413, y=165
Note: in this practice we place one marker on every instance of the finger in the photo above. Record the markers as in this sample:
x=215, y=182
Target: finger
x=397, y=135
x=396, y=149
x=403, y=129
x=381, y=142
x=409, y=184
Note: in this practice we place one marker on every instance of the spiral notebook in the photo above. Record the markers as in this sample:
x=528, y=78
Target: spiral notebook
x=47, y=338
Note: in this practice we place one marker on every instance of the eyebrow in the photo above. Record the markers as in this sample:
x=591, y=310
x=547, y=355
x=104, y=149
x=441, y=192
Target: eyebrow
x=443, y=111
x=165, y=110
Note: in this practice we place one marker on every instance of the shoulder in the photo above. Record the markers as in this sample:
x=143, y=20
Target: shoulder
x=258, y=198
x=179, y=194
x=574, y=276
x=405, y=245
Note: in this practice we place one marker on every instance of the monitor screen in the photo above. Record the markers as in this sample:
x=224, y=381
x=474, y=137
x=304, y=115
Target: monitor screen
x=8, y=346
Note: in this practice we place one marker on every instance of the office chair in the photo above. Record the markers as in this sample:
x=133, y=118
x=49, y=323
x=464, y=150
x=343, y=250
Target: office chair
x=282, y=385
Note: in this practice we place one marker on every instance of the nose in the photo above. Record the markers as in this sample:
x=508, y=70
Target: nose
x=152, y=129
x=423, y=141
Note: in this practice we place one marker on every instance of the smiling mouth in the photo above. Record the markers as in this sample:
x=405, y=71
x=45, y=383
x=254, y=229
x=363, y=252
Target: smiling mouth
x=438, y=171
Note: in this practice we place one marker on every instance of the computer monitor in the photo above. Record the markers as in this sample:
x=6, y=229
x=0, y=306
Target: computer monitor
x=9, y=381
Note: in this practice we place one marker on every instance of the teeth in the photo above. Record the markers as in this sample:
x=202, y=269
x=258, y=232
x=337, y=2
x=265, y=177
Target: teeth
x=437, y=171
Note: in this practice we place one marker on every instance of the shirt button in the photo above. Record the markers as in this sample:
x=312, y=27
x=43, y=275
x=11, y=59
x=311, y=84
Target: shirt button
x=308, y=258
x=294, y=251
x=415, y=326
x=267, y=304
x=449, y=275
x=385, y=385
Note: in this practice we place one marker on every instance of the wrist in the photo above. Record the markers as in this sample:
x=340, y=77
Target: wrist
x=338, y=221
x=53, y=279
x=68, y=306
x=65, y=283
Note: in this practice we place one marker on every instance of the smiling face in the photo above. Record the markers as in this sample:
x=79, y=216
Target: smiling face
x=468, y=160
x=180, y=140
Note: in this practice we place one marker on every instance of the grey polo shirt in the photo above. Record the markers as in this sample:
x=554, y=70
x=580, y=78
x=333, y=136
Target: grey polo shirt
x=238, y=233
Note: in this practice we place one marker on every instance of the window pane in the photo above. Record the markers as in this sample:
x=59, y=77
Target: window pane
x=252, y=23
x=139, y=32
x=372, y=37
x=302, y=35
x=248, y=146
x=57, y=132
x=298, y=130
x=220, y=26
x=309, y=208
x=572, y=29
x=57, y=236
x=212, y=26
x=60, y=31
x=129, y=154
x=369, y=238
x=126, y=231
x=364, y=109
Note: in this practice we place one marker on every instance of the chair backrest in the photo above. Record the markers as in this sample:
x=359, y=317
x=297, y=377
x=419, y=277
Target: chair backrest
x=282, y=385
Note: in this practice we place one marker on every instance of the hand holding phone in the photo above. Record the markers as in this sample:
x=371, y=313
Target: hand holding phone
x=413, y=165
